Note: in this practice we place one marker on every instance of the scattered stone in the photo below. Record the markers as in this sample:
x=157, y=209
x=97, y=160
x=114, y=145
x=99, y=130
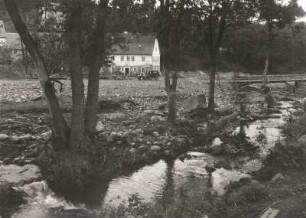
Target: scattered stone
x=47, y=135
x=3, y=136
x=302, y=140
x=277, y=177
x=155, y=148
x=132, y=150
x=156, y=134
x=115, y=116
x=216, y=142
x=142, y=149
x=168, y=153
x=157, y=118
x=99, y=127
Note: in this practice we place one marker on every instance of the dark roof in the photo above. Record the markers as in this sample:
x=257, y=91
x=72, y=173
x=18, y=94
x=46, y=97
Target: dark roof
x=135, y=44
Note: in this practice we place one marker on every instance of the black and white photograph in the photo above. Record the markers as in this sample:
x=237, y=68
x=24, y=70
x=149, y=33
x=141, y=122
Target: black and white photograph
x=152, y=108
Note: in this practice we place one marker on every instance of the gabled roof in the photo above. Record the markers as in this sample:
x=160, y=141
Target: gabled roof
x=135, y=44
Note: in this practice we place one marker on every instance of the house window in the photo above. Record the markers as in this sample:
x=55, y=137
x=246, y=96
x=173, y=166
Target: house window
x=122, y=58
x=128, y=58
x=143, y=58
x=133, y=58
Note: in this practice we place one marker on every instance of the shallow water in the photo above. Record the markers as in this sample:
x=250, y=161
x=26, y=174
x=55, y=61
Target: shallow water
x=268, y=128
x=153, y=182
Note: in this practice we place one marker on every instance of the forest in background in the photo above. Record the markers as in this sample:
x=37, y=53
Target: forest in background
x=242, y=50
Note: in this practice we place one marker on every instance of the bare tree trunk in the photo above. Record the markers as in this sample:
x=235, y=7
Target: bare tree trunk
x=171, y=94
x=212, y=82
x=61, y=128
x=77, y=86
x=93, y=79
x=268, y=53
x=24, y=58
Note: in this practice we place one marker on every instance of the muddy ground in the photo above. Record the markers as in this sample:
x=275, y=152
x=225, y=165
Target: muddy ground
x=131, y=127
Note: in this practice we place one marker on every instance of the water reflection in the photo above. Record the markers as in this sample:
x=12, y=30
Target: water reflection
x=168, y=190
x=164, y=182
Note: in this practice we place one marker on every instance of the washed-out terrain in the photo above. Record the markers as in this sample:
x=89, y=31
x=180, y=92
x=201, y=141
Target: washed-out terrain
x=209, y=167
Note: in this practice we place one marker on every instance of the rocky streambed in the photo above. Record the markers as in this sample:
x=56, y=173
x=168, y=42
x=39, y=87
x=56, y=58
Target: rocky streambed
x=163, y=181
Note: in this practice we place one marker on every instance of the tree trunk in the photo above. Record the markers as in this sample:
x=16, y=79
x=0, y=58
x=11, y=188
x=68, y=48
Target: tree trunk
x=212, y=79
x=268, y=53
x=171, y=94
x=60, y=126
x=172, y=106
x=77, y=86
x=24, y=58
x=93, y=79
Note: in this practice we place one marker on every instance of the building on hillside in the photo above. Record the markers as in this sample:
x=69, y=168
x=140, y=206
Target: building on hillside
x=139, y=53
x=11, y=42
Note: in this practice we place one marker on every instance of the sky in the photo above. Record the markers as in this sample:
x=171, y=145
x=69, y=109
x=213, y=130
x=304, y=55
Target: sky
x=303, y=4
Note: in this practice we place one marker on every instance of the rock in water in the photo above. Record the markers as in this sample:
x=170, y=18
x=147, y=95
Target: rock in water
x=3, y=136
x=14, y=174
x=221, y=178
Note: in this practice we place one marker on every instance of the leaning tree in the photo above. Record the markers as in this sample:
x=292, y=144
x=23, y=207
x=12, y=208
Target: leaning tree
x=73, y=143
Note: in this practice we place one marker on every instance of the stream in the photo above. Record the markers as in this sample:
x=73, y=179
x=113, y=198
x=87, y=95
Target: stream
x=160, y=181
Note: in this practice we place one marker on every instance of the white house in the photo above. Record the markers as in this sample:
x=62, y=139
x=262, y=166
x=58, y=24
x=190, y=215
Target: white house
x=10, y=41
x=137, y=54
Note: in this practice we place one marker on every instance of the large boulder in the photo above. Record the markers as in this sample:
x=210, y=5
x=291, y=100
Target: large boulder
x=302, y=140
x=222, y=178
x=3, y=136
x=14, y=174
x=195, y=103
